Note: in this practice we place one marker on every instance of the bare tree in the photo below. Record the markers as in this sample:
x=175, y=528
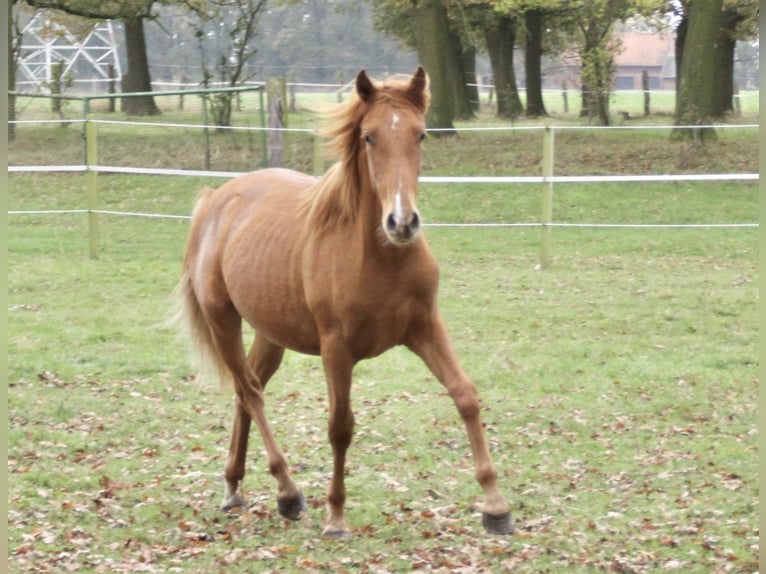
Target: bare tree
x=225, y=35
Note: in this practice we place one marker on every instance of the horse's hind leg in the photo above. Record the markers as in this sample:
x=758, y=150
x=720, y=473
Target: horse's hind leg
x=263, y=361
x=235, y=466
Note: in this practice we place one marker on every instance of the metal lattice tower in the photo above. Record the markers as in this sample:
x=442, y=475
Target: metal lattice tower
x=46, y=43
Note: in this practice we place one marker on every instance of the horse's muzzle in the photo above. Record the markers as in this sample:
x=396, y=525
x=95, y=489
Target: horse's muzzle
x=402, y=230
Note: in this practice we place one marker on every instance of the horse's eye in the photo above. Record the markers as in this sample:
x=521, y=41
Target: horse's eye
x=368, y=139
x=422, y=136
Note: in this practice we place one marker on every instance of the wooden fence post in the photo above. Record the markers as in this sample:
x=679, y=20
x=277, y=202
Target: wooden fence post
x=264, y=135
x=181, y=97
x=293, y=107
x=205, y=131
x=91, y=183
x=547, y=198
x=275, y=101
x=645, y=87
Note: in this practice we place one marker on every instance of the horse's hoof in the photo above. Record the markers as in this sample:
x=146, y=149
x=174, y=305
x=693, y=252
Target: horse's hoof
x=336, y=534
x=292, y=507
x=498, y=523
x=232, y=502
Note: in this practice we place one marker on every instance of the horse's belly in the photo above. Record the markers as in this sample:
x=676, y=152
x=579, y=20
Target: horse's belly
x=261, y=269
x=372, y=333
x=286, y=326
x=267, y=292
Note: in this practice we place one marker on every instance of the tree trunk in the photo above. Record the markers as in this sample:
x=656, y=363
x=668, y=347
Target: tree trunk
x=533, y=20
x=695, y=101
x=683, y=26
x=432, y=45
x=597, y=71
x=723, y=95
x=500, y=37
x=455, y=60
x=587, y=106
x=469, y=79
x=137, y=78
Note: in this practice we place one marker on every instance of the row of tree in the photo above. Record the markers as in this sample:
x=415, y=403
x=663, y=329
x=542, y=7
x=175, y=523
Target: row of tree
x=708, y=29
x=447, y=35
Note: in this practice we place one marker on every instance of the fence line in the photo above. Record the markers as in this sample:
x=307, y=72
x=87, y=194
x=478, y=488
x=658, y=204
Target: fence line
x=547, y=179
x=426, y=224
x=203, y=126
x=593, y=127
x=592, y=178
x=489, y=179
x=424, y=179
x=433, y=130
x=47, y=168
x=48, y=211
x=59, y=122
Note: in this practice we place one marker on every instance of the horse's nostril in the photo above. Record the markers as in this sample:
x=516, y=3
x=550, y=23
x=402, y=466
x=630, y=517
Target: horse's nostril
x=391, y=222
x=401, y=230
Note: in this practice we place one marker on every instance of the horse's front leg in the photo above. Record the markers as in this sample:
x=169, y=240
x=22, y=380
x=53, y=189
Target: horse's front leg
x=430, y=341
x=338, y=366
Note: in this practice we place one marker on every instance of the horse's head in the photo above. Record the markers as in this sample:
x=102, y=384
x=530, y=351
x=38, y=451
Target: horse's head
x=392, y=133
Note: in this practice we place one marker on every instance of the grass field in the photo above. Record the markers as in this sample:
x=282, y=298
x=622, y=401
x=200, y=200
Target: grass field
x=619, y=385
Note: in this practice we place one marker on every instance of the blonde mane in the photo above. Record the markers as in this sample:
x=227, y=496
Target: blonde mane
x=335, y=197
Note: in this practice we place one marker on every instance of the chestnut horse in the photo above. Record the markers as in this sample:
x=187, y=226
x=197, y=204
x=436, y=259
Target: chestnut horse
x=335, y=267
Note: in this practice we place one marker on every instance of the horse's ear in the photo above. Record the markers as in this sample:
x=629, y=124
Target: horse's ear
x=364, y=86
x=418, y=81
x=418, y=87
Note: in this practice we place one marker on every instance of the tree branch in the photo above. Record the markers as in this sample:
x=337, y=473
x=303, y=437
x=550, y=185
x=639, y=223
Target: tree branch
x=109, y=10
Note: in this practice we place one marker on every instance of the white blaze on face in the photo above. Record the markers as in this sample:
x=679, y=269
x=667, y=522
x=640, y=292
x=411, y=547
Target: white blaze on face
x=398, y=211
x=394, y=121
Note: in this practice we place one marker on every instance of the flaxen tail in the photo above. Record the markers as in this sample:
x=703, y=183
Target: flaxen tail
x=191, y=317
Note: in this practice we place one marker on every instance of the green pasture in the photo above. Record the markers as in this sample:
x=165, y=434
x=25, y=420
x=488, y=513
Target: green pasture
x=619, y=385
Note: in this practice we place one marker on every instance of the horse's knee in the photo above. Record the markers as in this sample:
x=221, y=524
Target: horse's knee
x=466, y=399
x=341, y=429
